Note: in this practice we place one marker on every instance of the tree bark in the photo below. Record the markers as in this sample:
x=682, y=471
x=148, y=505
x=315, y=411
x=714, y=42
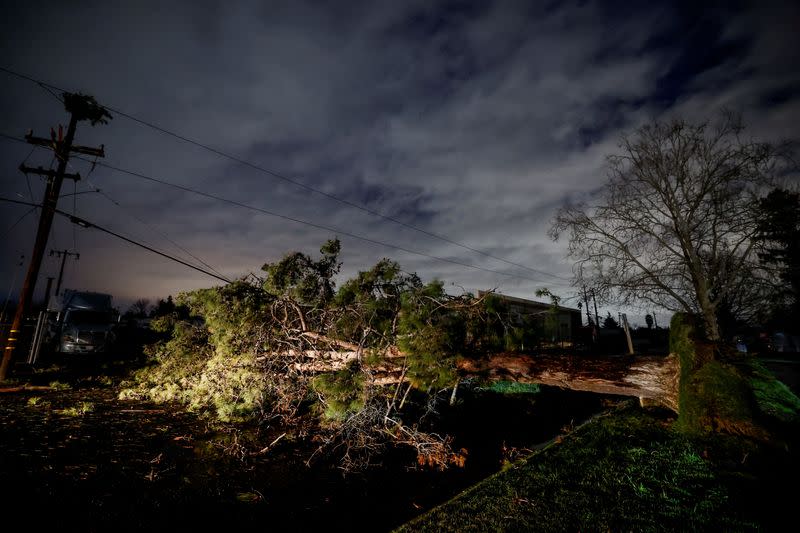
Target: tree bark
x=652, y=378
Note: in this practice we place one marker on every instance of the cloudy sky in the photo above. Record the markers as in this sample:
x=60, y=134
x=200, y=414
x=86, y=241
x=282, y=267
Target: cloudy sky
x=472, y=121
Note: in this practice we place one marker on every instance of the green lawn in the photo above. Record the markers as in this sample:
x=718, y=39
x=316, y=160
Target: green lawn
x=630, y=471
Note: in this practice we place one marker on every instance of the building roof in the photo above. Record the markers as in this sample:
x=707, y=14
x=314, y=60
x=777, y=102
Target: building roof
x=529, y=303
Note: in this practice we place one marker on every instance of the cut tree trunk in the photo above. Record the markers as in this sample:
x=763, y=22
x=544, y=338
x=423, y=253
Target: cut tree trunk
x=652, y=379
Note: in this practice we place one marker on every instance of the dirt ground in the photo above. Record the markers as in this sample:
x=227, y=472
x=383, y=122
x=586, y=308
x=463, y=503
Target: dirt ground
x=82, y=458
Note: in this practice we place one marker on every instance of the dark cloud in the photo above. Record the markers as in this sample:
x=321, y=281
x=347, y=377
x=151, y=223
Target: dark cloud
x=473, y=120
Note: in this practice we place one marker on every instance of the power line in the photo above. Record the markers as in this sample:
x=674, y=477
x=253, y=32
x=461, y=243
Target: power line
x=130, y=213
x=308, y=223
x=86, y=224
x=304, y=222
x=295, y=182
x=20, y=219
x=140, y=220
x=98, y=190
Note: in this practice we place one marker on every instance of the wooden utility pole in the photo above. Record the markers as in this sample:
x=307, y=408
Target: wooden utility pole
x=63, y=255
x=588, y=311
x=47, y=292
x=81, y=107
x=627, y=333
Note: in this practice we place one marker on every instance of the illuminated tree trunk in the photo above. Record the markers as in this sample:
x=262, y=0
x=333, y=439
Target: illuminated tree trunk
x=650, y=378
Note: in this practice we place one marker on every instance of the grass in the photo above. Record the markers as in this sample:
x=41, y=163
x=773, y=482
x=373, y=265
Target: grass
x=772, y=396
x=81, y=409
x=513, y=387
x=37, y=401
x=58, y=385
x=628, y=471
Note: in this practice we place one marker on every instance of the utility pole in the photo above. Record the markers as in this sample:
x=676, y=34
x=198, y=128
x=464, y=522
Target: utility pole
x=596, y=315
x=627, y=333
x=47, y=292
x=63, y=255
x=80, y=107
x=588, y=312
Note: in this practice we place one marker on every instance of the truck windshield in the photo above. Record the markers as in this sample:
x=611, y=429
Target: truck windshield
x=88, y=317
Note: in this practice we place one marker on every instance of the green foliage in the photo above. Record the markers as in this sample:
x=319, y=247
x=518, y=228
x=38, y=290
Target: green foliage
x=230, y=359
x=373, y=300
x=210, y=367
x=773, y=398
x=712, y=395
x=779, y=236
x=513, y=387
x=304, y=280
x=489, y=327
x=81, y=409
x=342, y=393
x=609, y=322
x=552, y=323
x=432, y=335
x=233, y=315
x=58, y=385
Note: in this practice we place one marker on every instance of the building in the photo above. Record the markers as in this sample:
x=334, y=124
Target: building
x=560, y=324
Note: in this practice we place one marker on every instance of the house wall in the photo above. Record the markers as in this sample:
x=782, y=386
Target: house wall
x=569, y=319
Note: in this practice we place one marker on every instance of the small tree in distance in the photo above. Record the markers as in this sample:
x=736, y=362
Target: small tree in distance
x=780, y=252
x=675, y=225
x=609, y=322
x=139, y=308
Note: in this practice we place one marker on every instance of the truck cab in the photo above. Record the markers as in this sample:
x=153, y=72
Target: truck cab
x=84, y=323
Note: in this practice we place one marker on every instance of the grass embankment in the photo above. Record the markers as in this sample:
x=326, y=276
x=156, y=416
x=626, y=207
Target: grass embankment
x=630, y=471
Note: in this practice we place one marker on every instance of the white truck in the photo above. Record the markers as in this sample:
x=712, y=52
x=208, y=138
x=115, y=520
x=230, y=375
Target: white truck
x=84, y=323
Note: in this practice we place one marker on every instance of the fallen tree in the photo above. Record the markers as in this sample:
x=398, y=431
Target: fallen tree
x=289, y=348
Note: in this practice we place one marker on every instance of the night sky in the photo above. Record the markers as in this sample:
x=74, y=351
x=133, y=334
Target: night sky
x=473, y=121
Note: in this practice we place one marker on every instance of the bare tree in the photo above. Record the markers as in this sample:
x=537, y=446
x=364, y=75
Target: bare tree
x=140, y=307
x=675, y=223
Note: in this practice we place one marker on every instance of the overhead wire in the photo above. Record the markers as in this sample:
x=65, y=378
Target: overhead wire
x=27, y=178
x=87, y=224
x=334, y=197
x=295, y=181
x=20, y=219
x=154, y=228
x=313, y=224
x=301, y=221
x=164, y=235
x=20, y=140
x=131, y=214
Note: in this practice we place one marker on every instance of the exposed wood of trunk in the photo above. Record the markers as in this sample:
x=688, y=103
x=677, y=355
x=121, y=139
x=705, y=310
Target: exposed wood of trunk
x=650, y=378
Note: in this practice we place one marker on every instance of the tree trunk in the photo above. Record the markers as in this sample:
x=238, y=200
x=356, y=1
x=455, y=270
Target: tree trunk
x=652, y=378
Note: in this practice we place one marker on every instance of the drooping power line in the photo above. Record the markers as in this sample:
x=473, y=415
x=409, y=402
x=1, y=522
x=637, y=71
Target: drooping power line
x=86, y=224
x=313, y=224
x=301, y=221
x=295, y=181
